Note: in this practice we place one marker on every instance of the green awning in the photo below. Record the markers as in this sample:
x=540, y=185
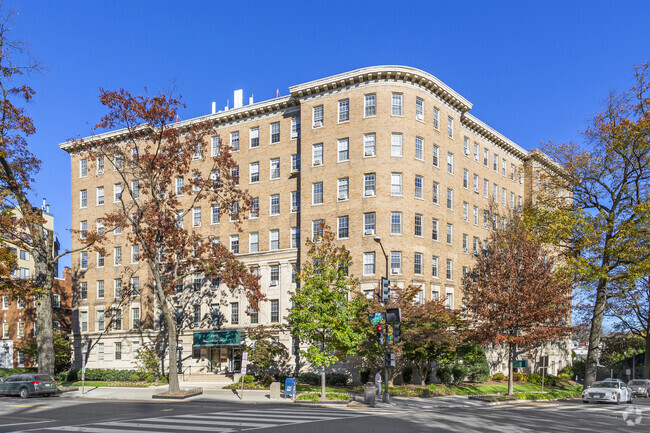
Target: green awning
x=218, y=338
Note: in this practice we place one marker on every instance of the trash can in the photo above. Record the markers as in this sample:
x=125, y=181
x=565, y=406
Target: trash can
x=369, y=393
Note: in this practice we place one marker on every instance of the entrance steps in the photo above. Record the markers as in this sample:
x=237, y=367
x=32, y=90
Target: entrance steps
x=220, y=379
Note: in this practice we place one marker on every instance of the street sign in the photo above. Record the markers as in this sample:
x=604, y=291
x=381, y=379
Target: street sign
x=244, y=356
x=376, y=318
x=628, y=372
x=520, y=364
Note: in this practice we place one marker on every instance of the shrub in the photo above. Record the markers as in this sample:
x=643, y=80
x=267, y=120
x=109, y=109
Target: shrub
x=268, y=380
x=444, y=374
x=61, y=376
x=150, y=378
x=459, y=372
x=563, y=377
x=249, y=378
x=134, y=377
x=73, y=375
x=337, y=379
x=407, y=375
x=499, y=377
x=309, y=396
x=364, y=375
x=162, y=378
x=519, y=377
x=338, y=396
x=535, y=378
x=309, y=378
x=146, y=359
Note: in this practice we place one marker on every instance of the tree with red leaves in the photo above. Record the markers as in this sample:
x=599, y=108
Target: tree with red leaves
x=514, y=294
x=165, y=172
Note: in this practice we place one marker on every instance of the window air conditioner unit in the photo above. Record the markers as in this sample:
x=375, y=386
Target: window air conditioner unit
x=318, y=163
x=318, y=123
x=465, y=250
x=369, y=232
x=369, y=153
x=476, y=252
x=343, y=197
x=396, y=271
x=294, y=208
x=420, y=117
x=274, y=282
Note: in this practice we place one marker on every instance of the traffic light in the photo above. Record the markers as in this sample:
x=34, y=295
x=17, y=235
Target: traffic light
x=389, y=360
x=384, y=291
x=397, y=332
x=380, y=334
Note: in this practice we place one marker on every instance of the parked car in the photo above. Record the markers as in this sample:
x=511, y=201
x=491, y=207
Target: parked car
x=25, y=385
x=640, y=387
x=611, y=391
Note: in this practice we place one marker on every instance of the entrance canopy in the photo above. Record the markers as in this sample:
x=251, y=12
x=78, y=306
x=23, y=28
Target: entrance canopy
x=232, y=337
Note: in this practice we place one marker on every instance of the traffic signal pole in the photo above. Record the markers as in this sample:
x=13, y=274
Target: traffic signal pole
x=385, y=330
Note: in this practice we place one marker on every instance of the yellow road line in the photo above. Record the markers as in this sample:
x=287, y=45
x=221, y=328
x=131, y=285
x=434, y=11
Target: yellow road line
x=19, y=405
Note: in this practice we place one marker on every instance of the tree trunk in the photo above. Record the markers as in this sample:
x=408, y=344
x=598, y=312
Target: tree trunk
x=44, y=279
x=646, y=356
x=322, y=383
x=172, y=341
x=511, y=360
x=593, y=353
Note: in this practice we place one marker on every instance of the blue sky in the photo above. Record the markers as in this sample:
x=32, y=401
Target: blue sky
x=534, y=70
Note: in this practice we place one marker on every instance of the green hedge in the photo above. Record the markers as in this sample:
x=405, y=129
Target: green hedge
x=6, y=372
x=102, y=374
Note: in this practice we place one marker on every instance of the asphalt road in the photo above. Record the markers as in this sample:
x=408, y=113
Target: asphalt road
x=100, y=416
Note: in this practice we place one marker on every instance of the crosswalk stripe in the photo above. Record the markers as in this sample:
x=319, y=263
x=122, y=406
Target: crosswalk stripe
x=212, y=422
x=273, y=417
x=159, y=426
x=341, y=413
x=92, y=429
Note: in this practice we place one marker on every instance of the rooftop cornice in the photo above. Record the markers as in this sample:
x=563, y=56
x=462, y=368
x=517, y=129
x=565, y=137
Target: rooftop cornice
x=405, y=73
x=218, y=118
x=548, y=163
x=491, y=134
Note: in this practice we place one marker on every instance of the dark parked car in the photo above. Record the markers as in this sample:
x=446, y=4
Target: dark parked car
x=25, y=385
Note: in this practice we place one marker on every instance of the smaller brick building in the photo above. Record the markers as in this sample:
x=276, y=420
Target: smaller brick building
x=18, y=321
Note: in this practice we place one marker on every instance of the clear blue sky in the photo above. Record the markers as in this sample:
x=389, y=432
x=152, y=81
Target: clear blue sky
x=534, y=70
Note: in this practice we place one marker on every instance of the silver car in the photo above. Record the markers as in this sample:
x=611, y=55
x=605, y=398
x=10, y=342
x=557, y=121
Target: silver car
x=608, y=392
x=640, y=387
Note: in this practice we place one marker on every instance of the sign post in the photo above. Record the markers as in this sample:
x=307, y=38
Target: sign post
x=244, y=364
x=83, y=373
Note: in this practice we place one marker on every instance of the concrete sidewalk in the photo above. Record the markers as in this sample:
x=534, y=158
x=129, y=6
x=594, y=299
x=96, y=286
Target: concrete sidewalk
x=212, y=392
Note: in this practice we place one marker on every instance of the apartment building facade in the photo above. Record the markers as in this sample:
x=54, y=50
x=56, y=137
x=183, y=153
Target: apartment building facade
x=18, y=315
x=387, y=152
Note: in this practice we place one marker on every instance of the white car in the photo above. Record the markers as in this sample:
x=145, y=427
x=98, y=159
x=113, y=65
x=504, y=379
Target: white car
x=608, y=392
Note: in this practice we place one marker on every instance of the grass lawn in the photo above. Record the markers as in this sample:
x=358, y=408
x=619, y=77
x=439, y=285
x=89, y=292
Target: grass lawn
x=316, y=388
x=521, y=390
x=503, y=388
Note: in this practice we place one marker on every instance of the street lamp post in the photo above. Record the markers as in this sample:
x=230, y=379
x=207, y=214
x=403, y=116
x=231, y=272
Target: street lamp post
x=386, y=398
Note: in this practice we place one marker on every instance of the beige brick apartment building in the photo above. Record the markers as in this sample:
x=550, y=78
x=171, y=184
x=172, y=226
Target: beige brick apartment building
x=387, y=151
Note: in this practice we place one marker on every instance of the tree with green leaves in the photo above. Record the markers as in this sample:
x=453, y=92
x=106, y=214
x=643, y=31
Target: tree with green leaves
x=602, y=227
x=265, y=351
x=326, y=304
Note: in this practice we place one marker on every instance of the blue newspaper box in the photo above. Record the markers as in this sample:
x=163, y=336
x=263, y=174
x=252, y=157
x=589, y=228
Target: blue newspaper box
x=290, y=388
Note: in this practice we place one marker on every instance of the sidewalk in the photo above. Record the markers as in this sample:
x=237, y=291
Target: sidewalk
x=212, y=392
